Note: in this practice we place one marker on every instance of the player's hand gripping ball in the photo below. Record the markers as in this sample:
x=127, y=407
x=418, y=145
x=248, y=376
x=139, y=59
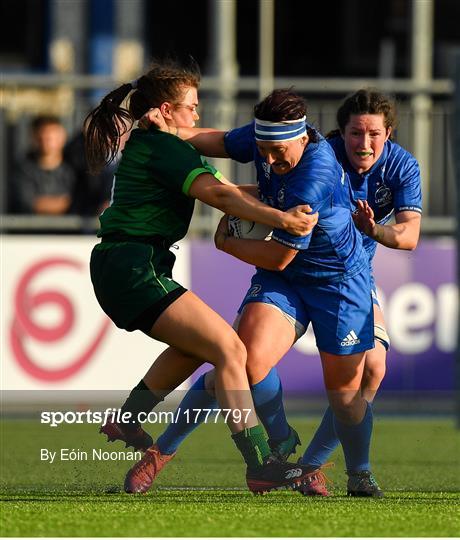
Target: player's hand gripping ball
x=249, y=230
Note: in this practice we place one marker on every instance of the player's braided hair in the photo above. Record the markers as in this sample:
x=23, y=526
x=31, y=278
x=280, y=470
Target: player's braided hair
x=283, y=104
x=365, y=101
x=165, y=81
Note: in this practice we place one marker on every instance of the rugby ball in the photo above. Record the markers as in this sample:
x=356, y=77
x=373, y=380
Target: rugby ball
x=248, y=230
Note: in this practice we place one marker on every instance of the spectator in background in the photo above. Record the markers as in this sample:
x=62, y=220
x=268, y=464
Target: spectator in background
x=42, y=182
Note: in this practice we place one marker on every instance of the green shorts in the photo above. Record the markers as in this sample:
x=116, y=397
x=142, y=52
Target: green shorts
x=133, y=282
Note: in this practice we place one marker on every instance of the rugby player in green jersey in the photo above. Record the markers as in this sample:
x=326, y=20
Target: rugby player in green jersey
x=158, y=178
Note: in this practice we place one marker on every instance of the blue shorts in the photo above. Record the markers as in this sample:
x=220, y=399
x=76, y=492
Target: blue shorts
x=375, y=297
x=341, y=313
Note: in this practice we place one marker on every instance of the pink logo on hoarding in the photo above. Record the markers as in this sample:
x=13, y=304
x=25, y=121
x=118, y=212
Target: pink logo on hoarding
x=23, y=325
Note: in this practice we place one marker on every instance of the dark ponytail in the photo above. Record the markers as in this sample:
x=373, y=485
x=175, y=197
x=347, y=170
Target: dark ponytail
x=166, y=80
x=103, y=128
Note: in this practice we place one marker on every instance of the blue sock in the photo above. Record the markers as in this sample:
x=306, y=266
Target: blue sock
x=196, y=398
x=356, y=440
x=268, y=401
x=324, y=441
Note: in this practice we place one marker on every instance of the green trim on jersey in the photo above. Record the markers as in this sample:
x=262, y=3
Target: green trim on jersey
x=151, y=186
x=191, y=177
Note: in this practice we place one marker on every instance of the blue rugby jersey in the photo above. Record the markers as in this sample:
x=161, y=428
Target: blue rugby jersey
x=334, y=249
x=391, y=185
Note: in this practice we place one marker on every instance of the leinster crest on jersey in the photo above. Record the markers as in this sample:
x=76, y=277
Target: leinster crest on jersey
x=383, y=196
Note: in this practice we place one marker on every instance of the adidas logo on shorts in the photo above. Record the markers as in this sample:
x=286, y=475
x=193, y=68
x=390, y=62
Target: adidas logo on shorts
x=350, y=339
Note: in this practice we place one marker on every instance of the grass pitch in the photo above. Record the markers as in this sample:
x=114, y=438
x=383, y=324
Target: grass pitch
x=202, y=491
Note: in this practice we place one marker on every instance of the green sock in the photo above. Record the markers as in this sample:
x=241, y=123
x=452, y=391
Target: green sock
x=252, y=444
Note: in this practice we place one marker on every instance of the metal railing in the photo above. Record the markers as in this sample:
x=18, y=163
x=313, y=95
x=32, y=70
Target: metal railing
x=323, y=85
x=323, y=97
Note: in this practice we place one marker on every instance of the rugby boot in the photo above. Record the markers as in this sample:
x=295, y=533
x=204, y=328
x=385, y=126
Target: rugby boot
x=142, y=474
x=363, y=484
x=133, y=436
x=316, y=484
x=276, y=474
x=283, y=449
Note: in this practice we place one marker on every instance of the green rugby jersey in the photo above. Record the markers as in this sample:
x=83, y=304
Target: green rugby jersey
x=151, y=185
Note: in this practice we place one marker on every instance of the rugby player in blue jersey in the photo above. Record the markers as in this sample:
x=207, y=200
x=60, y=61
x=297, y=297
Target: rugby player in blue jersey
x=322, y=278
x=385, y=180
